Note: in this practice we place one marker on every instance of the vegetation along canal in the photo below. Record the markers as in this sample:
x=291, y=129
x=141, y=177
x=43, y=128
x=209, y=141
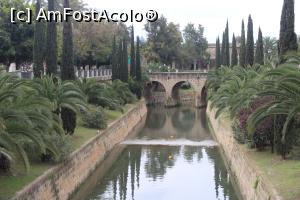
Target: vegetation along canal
x=172, y=157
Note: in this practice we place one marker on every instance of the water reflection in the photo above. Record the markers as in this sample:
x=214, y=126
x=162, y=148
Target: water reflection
x=166, y=173
x=176, y=123
x=153, y=172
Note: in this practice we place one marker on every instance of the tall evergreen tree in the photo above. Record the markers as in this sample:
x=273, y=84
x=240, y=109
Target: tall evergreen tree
x=120, y=60
x=51, y=46
x=243, y=46
x=234, y=54
x=227, y=46
x=250, y=43
x=287, y=37
x=114, y=60
x=67, y=72
x=138, y=61
x=132, y=55
x=39, y=45
x=223, y=53
x=259, y=51
x=124, y=63
x=218, y=53
x=138, y=67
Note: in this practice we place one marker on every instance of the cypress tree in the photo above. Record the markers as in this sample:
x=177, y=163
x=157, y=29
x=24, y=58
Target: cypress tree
x=234, y=54
x=67, y=62
x=120, y=60
x=138, y=66
x=243, y=46
x=138, y=61
x=51, y=46
x=124, y=63
x=227, y=47
x=67, y=72
x=39, y=44
x=223, y=54
x=218, y=53
x=259, y=52
x=132, y=55
x=287, y=37
x=250, y=43
x=114, y=60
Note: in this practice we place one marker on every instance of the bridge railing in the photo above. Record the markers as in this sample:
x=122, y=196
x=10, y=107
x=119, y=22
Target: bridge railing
x=181, y=72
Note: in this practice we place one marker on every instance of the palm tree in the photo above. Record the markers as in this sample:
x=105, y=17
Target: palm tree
x=60, y=93
x=283, y=84
x=98, y=94
x=23, y=116
x=231, y=89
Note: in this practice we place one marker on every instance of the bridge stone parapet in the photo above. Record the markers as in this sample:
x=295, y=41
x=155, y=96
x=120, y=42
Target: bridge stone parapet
x=171, y=82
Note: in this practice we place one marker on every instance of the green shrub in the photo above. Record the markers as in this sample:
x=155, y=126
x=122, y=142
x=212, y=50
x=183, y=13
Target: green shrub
x=61, y=146
x=94, y=118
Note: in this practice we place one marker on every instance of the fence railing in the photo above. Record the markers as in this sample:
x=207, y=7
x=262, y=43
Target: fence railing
x=101, y=74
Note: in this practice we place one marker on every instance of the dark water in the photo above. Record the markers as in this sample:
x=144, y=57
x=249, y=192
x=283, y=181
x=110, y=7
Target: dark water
x=172, y=158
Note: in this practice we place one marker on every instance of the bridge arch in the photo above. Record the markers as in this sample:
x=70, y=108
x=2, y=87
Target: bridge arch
x=172, y=80
x=155, y=92
x=182, y=96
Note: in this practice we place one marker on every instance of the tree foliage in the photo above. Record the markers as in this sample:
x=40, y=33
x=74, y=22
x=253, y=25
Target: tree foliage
x=270, y=49
x=39, y=45
x=227, y=46
x=234, y=54
x=250, y=43
x=243, y=46
x=51, y=45
x=16, y=39
x=261, y=100
x=68, y=72
x=132, y=55
x=287, y=37
x=218, y=53
x=164, y=41
x=223, y=50
x=195, y=44
x=259, y=52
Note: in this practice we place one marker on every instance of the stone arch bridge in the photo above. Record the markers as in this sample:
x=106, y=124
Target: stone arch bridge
x=163, y=87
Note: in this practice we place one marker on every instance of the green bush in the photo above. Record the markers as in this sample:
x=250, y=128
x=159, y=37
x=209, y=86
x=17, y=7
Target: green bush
x=94, y=118
x=61, y=147
x=58, y=148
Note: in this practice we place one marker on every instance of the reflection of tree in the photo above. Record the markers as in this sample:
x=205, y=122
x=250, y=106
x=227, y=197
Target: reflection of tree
x=184, y=119
x=156, y=118
x=221, y=175
x=203, y=119
x=159, y=158
x=118, y=177
x=190, y=151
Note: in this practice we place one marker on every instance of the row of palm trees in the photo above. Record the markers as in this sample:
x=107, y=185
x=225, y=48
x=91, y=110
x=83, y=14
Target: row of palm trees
x=262, y=101
x=30, y=112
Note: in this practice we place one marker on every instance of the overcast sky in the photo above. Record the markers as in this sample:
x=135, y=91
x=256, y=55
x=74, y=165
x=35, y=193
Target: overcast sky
x=212, y=14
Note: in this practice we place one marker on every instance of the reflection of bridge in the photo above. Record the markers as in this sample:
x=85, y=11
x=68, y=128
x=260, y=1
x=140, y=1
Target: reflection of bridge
x=176, y=123
x=167, y=84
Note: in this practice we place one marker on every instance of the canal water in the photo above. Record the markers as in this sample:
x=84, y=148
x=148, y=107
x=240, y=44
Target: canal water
x=172, y=158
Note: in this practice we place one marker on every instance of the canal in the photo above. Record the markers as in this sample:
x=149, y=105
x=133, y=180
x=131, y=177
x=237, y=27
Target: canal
x=172, y=158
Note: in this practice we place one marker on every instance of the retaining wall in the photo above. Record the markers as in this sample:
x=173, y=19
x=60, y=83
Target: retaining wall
x=252, y=183
x=61, y=181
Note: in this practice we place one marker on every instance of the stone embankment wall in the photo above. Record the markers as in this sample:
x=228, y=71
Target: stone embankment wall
x=61, y=181
x=252, y=183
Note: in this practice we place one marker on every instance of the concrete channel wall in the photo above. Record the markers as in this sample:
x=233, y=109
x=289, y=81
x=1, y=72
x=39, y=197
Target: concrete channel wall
x=61, y=181
x=252, y=183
